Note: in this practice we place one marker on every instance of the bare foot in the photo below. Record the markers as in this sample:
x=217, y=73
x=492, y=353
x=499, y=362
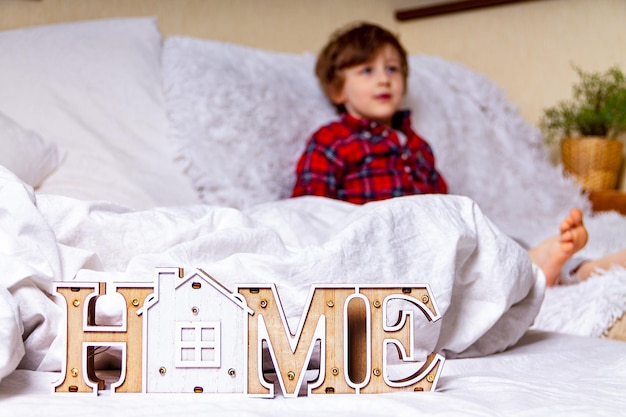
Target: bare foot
x=551, y=254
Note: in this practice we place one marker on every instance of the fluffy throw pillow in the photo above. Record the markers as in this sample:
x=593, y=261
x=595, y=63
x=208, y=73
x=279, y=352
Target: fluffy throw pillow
x=239, y=117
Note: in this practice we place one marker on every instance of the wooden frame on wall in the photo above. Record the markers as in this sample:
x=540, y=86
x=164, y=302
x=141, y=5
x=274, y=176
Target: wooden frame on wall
x=439, y=8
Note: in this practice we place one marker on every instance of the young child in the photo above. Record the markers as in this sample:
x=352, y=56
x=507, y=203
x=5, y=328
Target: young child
x=372, y=153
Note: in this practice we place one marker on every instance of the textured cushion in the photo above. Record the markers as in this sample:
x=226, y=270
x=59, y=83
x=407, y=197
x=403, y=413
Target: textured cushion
x=239, y=117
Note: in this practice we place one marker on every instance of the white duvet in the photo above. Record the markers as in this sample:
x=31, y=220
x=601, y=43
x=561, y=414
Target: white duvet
x=485, y=287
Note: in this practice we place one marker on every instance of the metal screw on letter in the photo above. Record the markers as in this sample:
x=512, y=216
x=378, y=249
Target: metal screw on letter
x=335, y=371
x=75, y=303
x=74, y=372
x=376, y=372
x=135, y=302
x=377, y=303
x=263, y=303
x=425, y=299
x=430, y=378
x=291, y=375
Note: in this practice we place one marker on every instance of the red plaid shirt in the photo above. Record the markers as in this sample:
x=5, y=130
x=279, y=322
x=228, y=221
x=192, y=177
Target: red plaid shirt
x=360, y=160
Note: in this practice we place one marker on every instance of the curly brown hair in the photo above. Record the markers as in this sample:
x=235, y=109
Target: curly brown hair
x=354, y=45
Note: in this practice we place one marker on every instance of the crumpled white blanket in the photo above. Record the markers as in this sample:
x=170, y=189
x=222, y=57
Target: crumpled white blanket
x=484, y=284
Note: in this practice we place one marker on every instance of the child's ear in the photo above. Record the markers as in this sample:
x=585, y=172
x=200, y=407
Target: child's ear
x=336, y=96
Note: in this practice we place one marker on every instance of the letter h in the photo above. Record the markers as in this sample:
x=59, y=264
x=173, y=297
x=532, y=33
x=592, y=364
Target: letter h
x=83, y=336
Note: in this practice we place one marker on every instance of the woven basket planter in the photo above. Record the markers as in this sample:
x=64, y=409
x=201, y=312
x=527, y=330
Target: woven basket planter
x=593, y=161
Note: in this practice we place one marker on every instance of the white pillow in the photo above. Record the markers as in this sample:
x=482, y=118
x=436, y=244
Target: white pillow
x=25, y=153
x=94, y=89
x=240, y=117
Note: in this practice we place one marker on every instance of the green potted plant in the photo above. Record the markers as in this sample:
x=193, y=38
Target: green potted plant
x=588, y=127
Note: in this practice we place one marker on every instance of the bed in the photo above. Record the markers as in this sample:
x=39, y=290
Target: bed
x=124, y=151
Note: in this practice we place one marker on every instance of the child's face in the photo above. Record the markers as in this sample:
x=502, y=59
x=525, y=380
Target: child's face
x=374, y=90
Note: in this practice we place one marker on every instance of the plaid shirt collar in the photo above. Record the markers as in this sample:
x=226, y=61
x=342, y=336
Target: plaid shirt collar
x=401, y=121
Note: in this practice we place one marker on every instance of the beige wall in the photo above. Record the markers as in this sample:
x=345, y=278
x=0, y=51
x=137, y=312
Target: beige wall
x=283, y=25
x=527, y=47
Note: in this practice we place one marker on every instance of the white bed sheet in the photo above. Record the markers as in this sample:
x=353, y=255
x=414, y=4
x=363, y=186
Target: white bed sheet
x=483, y=283
x=545, y=374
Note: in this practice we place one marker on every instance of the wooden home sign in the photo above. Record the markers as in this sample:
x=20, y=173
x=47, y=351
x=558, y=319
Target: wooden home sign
x=187, y=333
